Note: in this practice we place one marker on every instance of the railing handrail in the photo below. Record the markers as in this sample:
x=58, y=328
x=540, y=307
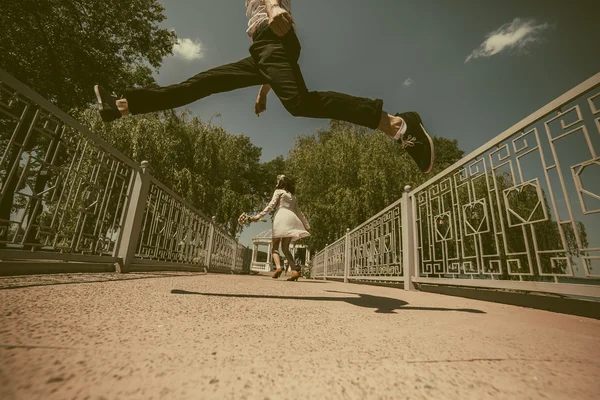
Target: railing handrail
x=48, y=106
x=565, y=98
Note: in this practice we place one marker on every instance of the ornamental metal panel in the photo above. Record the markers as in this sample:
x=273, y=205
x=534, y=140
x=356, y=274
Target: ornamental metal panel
x=376, y=246
x=172, y=231
x=526, y=206
x=223, y=251
x=62, y=189
x=335, y=254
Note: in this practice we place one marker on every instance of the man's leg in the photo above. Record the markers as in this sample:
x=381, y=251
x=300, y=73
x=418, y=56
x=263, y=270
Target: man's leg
x=225, y=78
x=277, y=62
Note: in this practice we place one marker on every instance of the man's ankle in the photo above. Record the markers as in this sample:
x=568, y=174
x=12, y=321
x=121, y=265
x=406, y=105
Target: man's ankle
x=400, y=128
x=123, y=106
x=391, y=125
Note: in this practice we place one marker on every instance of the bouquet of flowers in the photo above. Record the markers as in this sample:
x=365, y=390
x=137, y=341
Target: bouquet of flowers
x=244, y=219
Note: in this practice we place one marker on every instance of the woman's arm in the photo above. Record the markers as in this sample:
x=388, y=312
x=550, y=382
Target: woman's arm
x=269, y=206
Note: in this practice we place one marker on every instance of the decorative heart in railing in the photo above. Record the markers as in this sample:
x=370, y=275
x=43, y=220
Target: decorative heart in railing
x=524, y=203
x=442, y=226
x=475, y=217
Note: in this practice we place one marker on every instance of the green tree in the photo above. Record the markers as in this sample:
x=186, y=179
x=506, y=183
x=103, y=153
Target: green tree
x=61, y=48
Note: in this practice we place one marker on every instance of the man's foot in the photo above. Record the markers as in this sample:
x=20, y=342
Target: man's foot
x=417, y=142
x=107, y=105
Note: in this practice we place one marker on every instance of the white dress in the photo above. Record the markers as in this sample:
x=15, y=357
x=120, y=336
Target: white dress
x=288, y=220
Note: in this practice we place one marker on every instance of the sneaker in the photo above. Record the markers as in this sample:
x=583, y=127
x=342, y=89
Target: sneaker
x=107, y=105
x=417, y=142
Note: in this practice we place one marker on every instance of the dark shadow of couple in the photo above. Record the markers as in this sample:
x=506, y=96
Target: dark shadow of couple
x=385, y=305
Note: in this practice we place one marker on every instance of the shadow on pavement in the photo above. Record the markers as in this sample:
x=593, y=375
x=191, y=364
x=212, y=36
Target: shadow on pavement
x=384, y=305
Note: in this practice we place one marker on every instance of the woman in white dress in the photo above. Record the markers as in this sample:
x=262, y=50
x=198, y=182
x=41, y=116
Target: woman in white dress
x=289, y=224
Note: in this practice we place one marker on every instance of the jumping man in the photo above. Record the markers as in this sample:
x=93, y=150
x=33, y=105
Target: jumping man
x=273, y=64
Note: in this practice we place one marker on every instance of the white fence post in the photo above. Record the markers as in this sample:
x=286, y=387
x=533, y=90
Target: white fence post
x=408, y=251
x=235, y=253
x=325, y=262
x=134, y=217
x=211, y=237
x=347, y=255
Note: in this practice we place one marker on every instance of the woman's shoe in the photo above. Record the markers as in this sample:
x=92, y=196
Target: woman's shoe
x=277, y=273
x=294, y=277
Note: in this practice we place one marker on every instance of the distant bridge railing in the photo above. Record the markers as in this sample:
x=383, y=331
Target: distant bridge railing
x=70, y=201
x=522, y=212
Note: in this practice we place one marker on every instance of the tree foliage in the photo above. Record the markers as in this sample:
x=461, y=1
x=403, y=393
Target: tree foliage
x=61, y=48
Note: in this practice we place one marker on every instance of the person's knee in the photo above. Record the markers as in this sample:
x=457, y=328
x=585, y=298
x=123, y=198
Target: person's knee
x=299, y=105
x=294, y=110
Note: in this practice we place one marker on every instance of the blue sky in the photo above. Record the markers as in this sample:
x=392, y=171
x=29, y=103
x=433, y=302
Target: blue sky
x=471, y=68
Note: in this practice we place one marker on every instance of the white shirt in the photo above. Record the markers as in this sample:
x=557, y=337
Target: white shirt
x=256, y=11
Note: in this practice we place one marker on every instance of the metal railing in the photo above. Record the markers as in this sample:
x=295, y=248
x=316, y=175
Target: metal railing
x=318, y=266
x=335, y=259
x=69, y=197
x=521, y=212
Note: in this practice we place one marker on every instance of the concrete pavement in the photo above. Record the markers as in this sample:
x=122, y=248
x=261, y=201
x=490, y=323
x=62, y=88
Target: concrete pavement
x=193, y=336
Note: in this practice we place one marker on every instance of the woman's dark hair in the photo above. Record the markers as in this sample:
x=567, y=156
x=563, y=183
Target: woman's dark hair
x=286, y=183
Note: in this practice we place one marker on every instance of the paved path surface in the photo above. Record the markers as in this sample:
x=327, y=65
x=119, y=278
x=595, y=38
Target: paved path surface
x=192, y=336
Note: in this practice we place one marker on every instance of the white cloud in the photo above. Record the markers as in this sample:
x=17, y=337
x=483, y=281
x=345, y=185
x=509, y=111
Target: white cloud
x=513, y=35
x=188, y=49
x=408, y=82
